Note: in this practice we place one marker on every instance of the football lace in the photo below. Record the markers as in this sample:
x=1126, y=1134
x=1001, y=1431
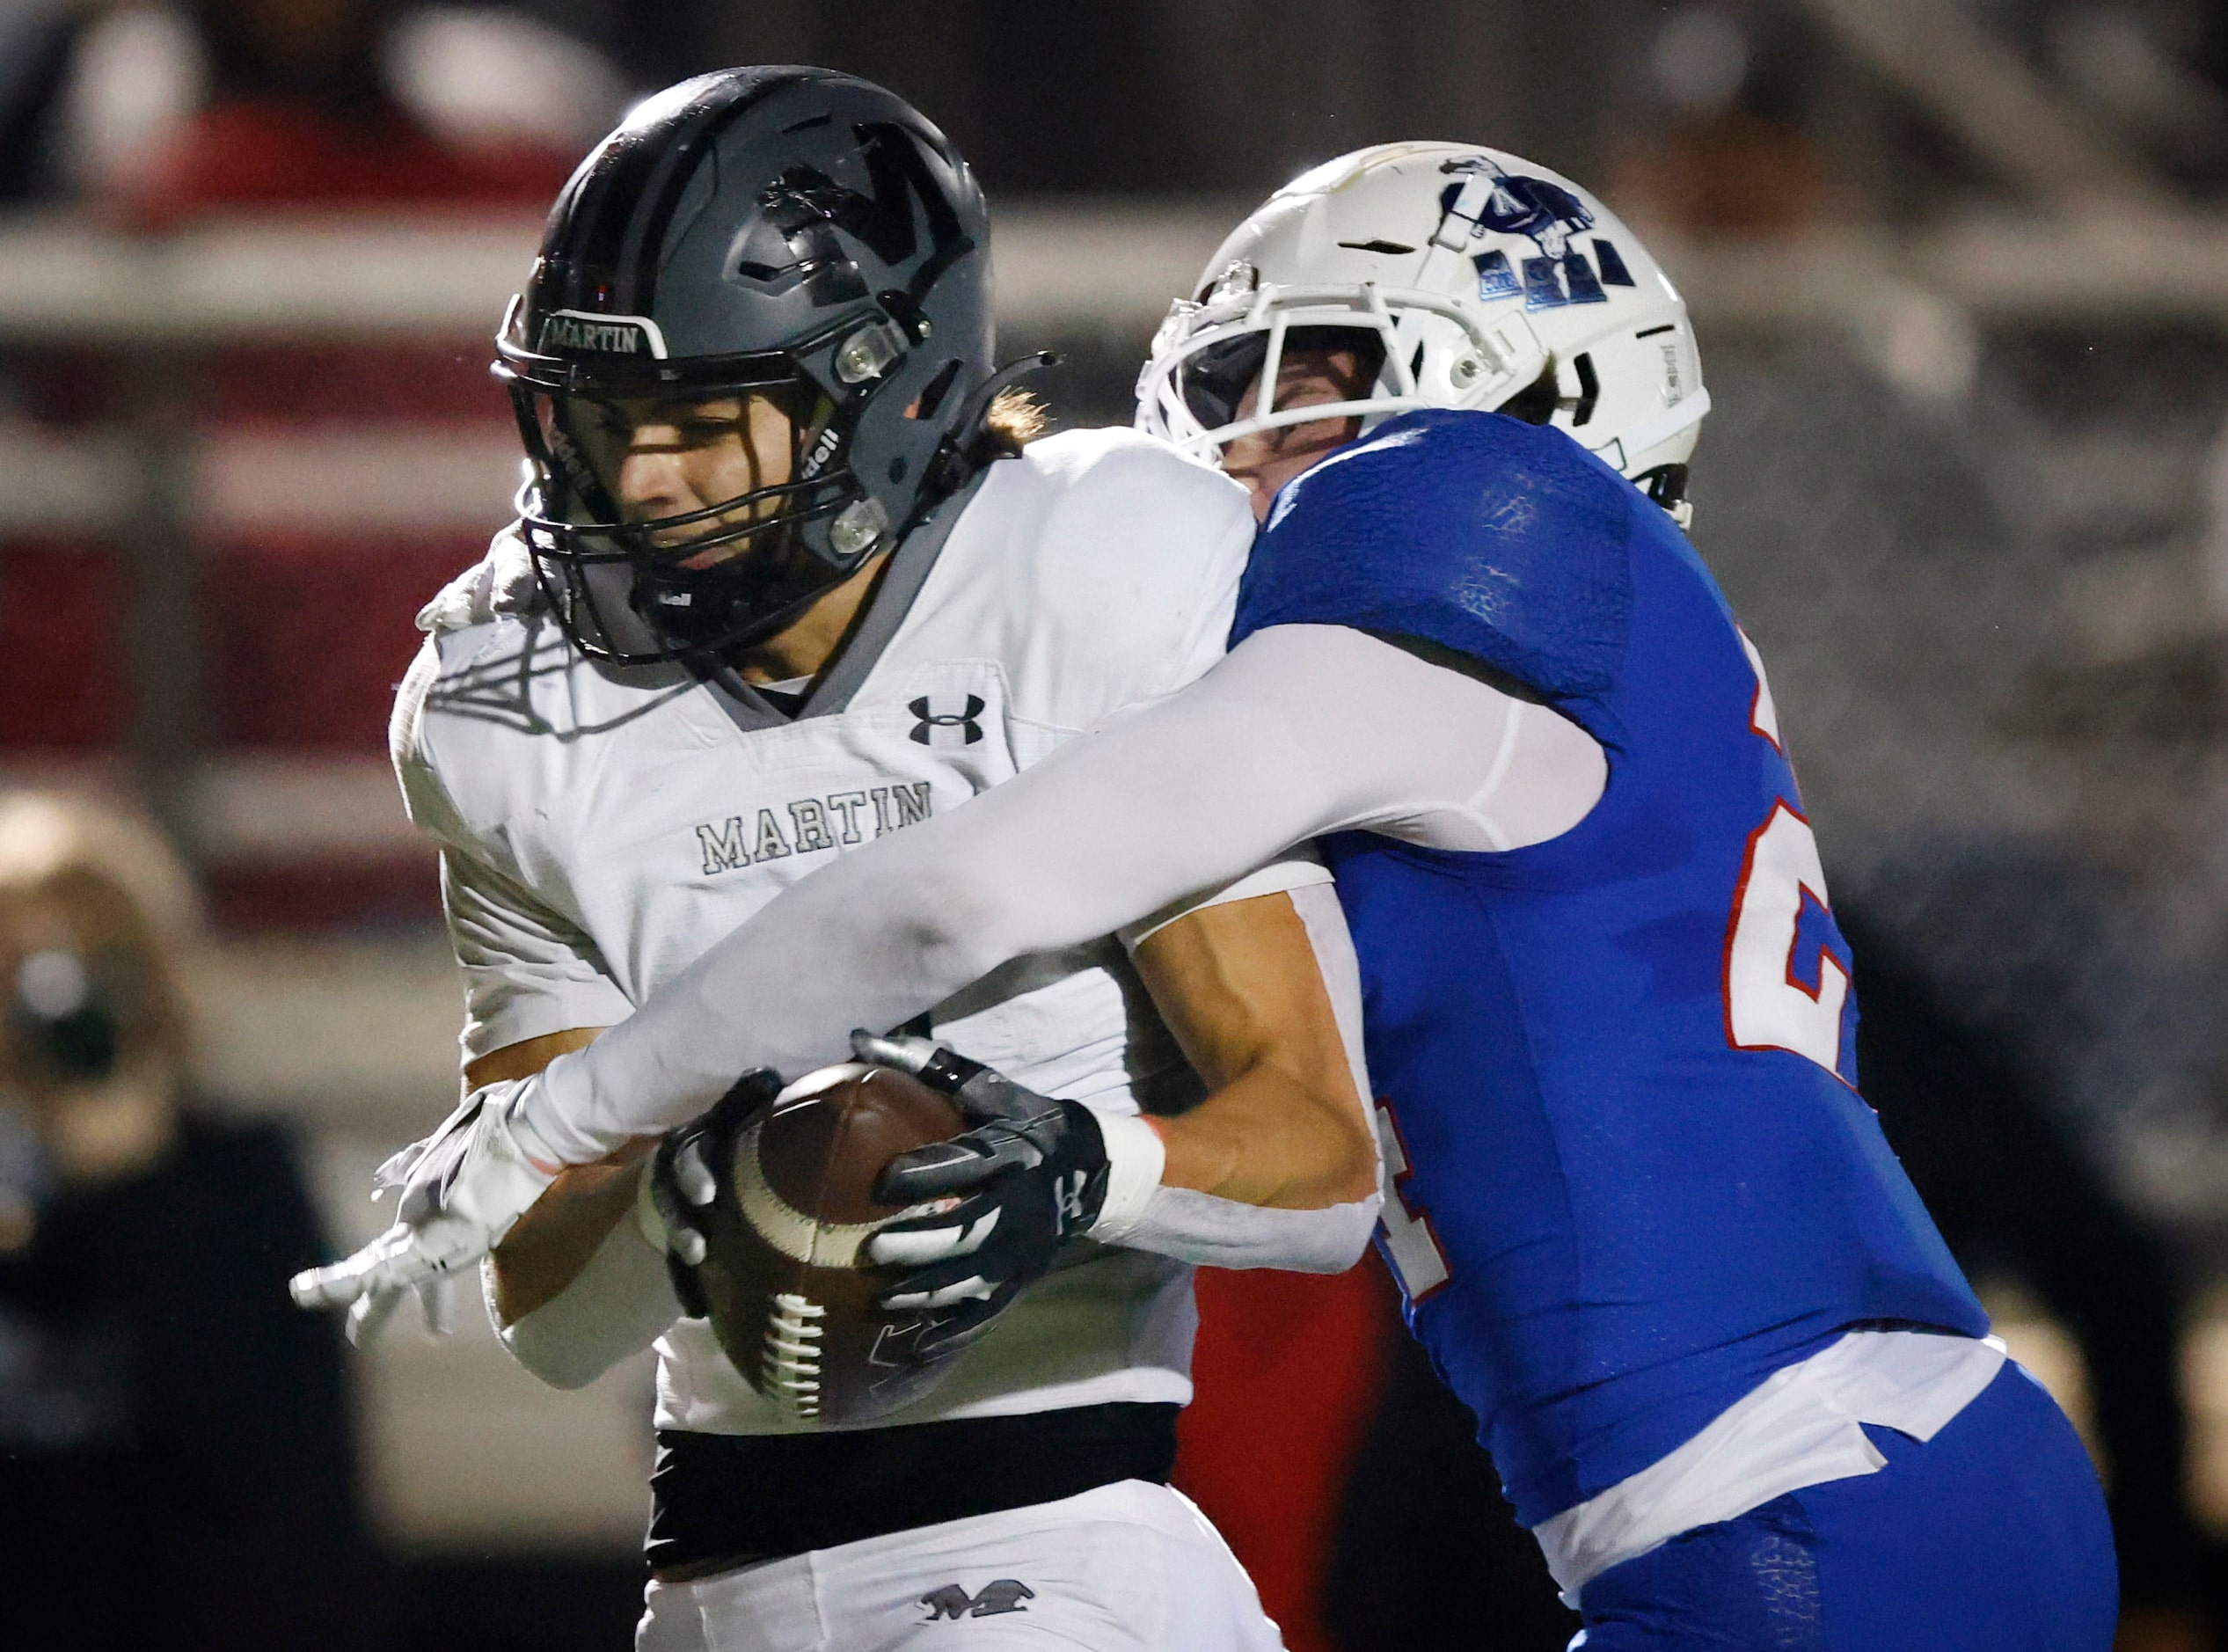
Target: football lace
x=790, y=1368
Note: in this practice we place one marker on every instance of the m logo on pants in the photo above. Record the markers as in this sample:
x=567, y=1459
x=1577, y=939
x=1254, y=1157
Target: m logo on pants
x=953, y=1602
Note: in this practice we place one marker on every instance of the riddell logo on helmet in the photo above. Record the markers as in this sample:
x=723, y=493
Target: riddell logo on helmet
x=572, y=333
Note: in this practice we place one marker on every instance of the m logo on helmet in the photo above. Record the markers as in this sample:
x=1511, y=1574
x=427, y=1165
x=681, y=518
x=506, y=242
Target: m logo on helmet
x=1549, y=216
x=576, y=333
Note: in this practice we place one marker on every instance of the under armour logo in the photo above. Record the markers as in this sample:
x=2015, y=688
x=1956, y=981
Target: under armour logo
x=970, y=730
x=954, y=1603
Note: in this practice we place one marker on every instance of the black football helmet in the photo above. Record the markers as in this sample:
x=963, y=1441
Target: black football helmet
x=773, y=231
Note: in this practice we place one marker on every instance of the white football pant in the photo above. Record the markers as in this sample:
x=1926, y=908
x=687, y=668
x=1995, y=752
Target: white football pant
x=1126, y=1568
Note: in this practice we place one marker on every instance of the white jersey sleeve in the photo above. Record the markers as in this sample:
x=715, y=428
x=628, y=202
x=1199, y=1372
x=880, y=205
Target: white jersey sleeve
x=1303, y=730
x=527, y=970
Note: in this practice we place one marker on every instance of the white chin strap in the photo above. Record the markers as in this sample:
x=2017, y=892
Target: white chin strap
x=1629, y=446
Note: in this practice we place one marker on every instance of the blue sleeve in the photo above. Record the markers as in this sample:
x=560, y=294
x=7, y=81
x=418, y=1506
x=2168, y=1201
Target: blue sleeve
x=1503, y=541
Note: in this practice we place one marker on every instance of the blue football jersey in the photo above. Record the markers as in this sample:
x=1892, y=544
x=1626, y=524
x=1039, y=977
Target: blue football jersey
x=1633, y=1176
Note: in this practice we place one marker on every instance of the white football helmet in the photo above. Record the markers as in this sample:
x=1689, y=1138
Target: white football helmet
x=1486, y=282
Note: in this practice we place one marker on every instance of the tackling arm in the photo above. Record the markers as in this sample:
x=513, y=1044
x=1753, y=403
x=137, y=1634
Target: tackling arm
x=1278, y=1167
x=1251, y=990
x=1303, y=730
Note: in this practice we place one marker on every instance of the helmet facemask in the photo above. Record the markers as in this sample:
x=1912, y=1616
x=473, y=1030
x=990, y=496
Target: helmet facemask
x=640, y=590
x=1209, y=351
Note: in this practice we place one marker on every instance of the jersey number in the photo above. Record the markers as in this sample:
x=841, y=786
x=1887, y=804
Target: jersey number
x=1410, y=1244
x=1768, y=1002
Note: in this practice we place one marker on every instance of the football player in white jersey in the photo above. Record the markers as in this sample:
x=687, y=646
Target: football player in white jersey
x=780, y=588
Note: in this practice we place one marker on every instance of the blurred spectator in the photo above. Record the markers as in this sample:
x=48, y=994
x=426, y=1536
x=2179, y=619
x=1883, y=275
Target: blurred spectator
x=2012, y=1193
x=176, y=1463
x=169, y=110
x=38, y=41
x=2149, y=74
x=1724, y=150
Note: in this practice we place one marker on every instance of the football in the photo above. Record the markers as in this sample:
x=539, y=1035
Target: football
x=786, y=1276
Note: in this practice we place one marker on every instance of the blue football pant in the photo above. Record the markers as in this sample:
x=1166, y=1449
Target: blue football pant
x=1989, y=1537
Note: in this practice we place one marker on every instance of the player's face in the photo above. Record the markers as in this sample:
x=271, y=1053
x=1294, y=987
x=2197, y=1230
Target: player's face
x=669, y=458
x=1268, y=460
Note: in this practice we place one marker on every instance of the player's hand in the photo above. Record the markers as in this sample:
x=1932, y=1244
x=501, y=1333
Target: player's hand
x=684, y=1182
x=461, y=1190
x=1029, y=1177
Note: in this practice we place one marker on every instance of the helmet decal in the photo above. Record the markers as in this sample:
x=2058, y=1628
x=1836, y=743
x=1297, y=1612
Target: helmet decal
x=805, y=205
x=573, y=332
x=1546, y=214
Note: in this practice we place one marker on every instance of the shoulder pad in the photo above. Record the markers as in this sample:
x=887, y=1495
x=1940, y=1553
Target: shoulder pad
x=1503, y=541
x=1101, y=567
x=500, y=583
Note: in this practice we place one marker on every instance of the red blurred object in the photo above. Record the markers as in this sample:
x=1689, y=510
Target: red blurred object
x=400, y=888
x=309, y=634
x=344, y=387
x=61, y=621
x=257, y=153
x=1288, y=1368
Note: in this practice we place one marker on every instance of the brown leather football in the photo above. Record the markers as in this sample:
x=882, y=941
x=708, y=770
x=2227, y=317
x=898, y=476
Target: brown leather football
x=785, y=1274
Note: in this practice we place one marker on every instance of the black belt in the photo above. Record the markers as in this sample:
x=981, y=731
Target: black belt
x=736, y=1497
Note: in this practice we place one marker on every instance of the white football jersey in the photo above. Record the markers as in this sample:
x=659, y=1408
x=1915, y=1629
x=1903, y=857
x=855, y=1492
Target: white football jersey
x=601, y=827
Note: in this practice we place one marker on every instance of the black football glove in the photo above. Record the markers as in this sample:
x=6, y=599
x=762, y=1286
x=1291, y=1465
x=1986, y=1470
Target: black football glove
x=1029, y=1177
x=685, y=1175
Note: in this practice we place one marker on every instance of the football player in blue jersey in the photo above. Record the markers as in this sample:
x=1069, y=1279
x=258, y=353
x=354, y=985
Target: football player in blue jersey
x=1646, y=1227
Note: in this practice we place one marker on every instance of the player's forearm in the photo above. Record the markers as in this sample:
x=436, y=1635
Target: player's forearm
x=578, y=1286
x=1278, y=1167
x=552, y=1243
x=1264, y=998
x=1273, y=1141
x=621, y=1303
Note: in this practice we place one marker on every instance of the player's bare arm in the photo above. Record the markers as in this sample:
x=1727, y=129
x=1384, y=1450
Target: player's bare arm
x=559, y=1235
x=556, y=1238
x=1240, y=987
x=527, y=1058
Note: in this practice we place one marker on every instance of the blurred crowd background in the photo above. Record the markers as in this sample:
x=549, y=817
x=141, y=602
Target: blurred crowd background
x=1960, y=269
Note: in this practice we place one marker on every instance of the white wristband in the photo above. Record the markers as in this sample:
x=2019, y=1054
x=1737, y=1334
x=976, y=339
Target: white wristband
x=1135, y=1156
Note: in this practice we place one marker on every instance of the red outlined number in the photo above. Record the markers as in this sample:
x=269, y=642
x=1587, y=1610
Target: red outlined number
x=1767, y=1003
x=1763, y=713
x=1767, y=1006
x=1418, y=1262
